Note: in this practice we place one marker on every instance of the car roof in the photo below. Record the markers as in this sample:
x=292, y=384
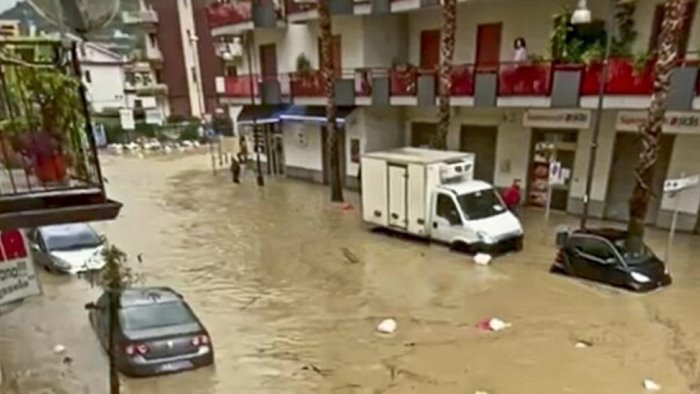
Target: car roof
x=143, y=296
x=467, y=187
x=609, y=233
x=65, y=229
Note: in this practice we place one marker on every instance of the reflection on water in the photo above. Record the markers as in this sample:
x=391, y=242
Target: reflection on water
x=289, y=313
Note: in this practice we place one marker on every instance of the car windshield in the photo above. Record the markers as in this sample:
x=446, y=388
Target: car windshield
x=81, y=238
x=145, y=317
x=636, y=258
x=481, y=204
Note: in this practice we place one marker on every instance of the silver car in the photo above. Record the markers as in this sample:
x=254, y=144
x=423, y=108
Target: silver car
x=67, y=248
x=156, y=333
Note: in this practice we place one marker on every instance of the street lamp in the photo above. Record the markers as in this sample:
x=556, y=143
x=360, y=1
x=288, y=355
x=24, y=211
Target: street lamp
x=582, y=15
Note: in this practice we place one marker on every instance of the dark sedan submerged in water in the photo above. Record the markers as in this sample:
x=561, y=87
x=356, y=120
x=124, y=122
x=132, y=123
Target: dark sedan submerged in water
x=156, y=332
x=601, y=255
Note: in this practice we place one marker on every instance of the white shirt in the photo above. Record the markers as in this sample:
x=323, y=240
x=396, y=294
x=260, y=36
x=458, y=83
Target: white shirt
x=521, y=55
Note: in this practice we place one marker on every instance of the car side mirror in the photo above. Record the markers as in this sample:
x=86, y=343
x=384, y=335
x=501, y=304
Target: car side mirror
x=611, y=261
x=34, y=247
x=90, y=306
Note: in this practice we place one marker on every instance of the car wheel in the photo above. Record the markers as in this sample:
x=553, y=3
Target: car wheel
x=461, y=247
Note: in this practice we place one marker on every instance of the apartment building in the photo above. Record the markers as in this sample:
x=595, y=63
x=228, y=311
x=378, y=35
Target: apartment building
x=175, y=66
x=513, y=113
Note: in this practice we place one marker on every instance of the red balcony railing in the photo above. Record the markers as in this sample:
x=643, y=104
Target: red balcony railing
x=403, y=81
x=307, y=84
x=513, y=80
x=240, y=86
x=462, y=80
x=624, y=78
x=230, y=13
x=518, y=79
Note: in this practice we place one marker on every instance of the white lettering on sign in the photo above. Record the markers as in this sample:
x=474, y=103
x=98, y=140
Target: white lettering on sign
x=17, y=277
x=674, y=122
x=557, y=118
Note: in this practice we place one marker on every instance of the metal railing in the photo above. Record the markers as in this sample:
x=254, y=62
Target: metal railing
x=46, y=141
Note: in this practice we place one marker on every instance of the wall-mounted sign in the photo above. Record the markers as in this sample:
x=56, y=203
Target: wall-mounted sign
x=557, y=118
x=675, y=122
x=126, y=119
x=17, y=277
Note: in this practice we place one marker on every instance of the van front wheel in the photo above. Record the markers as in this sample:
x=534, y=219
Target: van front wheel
x=461, y=247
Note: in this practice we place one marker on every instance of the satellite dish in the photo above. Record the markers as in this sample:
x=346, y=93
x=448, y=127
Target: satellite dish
x=80, y=17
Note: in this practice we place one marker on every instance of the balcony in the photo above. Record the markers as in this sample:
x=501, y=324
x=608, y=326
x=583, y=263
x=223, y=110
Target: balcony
x=141, y=19
x=146, y=89
x=235, y=17
x=49, y=167
x=508, y=84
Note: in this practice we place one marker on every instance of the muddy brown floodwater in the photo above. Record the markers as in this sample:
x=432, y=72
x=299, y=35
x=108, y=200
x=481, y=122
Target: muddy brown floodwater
x=267, y=272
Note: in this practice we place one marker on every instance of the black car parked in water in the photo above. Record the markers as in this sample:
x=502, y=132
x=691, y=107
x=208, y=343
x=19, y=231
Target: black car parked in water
x=601, y=255
x=156, y=333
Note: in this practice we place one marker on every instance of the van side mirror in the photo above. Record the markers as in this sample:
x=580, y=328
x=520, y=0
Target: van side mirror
x=90, y=306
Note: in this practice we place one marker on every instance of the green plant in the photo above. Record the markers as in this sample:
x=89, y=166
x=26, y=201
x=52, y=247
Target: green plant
x=640, y=61
x=594, y=54
x=303, y=64
x=626, y=29
x=559, y=34
x=45, y=101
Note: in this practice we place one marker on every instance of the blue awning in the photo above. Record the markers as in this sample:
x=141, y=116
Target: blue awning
x=313, y=113
x=260, y=114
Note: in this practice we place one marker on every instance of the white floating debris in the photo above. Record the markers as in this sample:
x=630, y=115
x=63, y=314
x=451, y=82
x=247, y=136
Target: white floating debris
x=58, y=349
x=481, y=392
x=651, y=385
x=498, y=324
x=387, y=326
x=583, y=345
x=482, y=259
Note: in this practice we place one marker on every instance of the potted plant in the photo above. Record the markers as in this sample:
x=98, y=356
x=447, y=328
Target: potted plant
x=49, y=130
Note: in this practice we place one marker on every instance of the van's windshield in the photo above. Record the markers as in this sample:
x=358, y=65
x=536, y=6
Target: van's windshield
x=481, y=204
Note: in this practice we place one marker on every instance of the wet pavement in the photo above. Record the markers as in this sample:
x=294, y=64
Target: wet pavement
x=267, y=271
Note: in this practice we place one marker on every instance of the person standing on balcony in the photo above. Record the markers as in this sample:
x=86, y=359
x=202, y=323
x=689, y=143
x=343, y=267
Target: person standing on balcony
x=520, y=50
x=519, y=75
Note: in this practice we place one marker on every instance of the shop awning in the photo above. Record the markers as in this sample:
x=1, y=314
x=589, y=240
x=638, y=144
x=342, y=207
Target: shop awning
x=314, y=113
x=260, y=114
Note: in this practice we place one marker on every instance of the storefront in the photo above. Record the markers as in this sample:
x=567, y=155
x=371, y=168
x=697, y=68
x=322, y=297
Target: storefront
x=554, y=138
x=679, y=145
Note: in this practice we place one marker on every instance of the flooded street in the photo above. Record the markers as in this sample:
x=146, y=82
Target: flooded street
x=265, y=271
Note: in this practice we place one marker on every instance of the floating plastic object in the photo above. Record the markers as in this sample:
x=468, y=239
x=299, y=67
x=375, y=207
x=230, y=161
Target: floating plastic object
x=58, y=349
x=493, y=324
x=481, y=392
x=582, y=345
x=387, y=326
x=651, y=385
x=482, y=259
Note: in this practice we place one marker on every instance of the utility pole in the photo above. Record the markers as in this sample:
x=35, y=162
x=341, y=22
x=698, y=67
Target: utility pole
x=251, y=78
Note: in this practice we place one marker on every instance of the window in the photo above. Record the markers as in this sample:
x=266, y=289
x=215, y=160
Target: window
x=447, y=209
x=194, y=75
x=75, y=239
x=138, y=103
x=153, y=39
x=154, y=316
x=481, y=204
x=88, y=77
x=355, y=150
x=83, y=54
x=594, y=247
x=231, y=71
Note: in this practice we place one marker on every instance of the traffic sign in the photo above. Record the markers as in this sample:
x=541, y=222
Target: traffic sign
x=676, y=185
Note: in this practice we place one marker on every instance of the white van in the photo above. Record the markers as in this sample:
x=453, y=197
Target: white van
x=432, y=194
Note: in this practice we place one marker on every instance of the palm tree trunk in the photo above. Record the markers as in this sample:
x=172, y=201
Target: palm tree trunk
x=652, y=127
x=447, y=49
x=328, y=71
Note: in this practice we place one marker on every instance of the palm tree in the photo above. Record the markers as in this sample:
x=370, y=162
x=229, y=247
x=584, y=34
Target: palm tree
x=667, y=55
x=328, y=71
x=447, y=50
